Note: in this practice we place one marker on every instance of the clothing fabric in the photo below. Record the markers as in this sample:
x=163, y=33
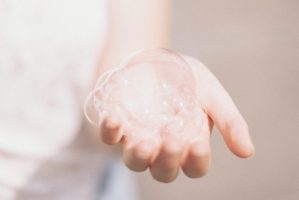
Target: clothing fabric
x=48, y=55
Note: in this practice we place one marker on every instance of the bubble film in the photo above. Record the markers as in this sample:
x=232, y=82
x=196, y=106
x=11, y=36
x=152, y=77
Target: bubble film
x=152, y=92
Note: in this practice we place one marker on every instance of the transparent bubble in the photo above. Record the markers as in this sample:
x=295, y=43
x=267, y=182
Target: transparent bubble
x=152, y=92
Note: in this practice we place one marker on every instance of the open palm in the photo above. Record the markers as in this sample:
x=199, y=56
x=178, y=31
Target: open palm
x=165, y=157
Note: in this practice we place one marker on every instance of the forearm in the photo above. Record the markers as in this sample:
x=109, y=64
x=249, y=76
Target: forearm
x=133, y=25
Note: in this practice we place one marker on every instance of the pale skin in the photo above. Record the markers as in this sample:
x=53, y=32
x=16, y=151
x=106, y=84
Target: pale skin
x=165, y=159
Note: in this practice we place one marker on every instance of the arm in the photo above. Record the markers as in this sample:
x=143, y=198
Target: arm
x=133, y=25
x=141, y=24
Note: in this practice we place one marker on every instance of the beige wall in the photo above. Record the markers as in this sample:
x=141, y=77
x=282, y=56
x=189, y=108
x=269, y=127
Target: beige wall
x=253, y=48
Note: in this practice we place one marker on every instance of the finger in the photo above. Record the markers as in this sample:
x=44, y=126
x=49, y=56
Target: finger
x=111, y=130
x=166, y=165
x=220, y=107
x=197, y=159
x=138, y=156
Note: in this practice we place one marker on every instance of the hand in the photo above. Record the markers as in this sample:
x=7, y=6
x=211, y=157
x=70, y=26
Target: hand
x=166, y=158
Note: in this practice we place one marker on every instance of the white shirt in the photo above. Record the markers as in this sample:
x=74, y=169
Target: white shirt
x=48, y=55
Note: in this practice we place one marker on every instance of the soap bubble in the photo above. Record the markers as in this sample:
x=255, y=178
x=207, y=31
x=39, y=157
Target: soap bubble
x=152, y=92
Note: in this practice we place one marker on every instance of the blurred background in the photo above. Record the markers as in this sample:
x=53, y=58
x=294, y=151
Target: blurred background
x=252, y=46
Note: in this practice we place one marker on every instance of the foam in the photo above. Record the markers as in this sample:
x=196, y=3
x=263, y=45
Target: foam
x=152, y=92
